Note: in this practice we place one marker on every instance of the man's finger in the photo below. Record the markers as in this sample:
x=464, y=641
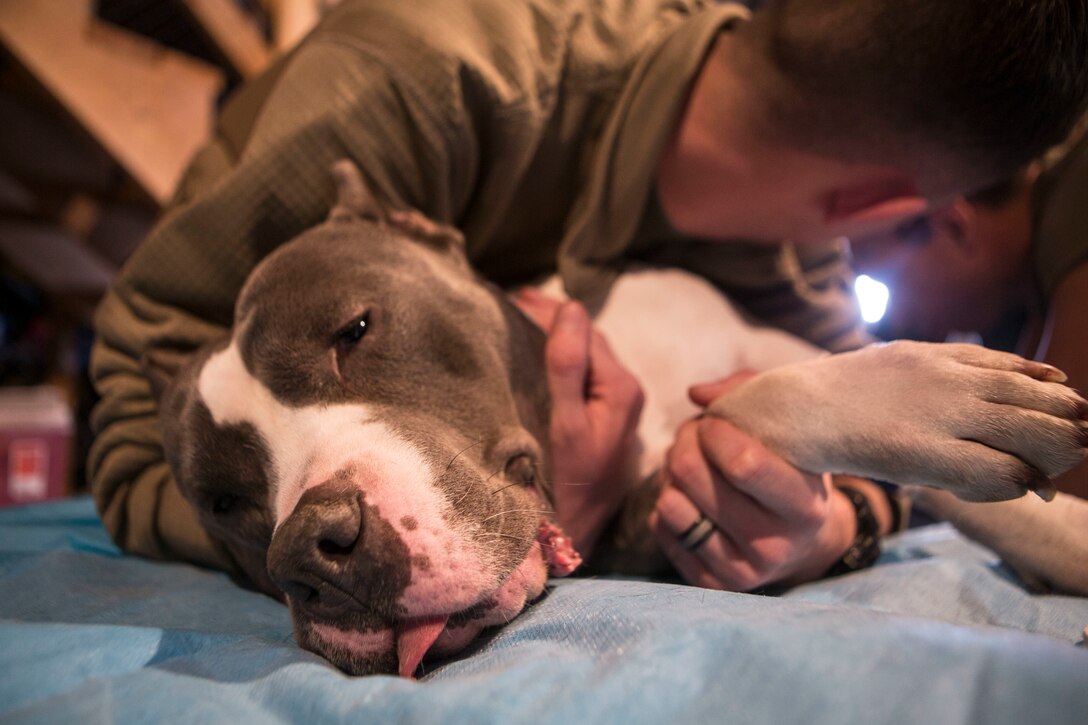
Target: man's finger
x=703, y=394
x=740, y=515
x=691, y=569
x=567, y=362
x=612, y=383
x=758, y=472
x=719, y=554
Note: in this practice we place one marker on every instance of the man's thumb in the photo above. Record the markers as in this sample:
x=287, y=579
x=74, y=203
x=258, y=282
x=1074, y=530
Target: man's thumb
x=567, y=356
x=703, y=394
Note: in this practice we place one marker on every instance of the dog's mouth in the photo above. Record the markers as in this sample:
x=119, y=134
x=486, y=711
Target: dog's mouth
x=368, y=647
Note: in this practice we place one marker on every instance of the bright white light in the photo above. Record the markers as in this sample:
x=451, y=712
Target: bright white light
x=872, y=296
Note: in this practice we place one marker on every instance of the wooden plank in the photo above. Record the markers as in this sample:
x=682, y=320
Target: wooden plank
x=149, y=107
x=234, y=32
x=292, y=19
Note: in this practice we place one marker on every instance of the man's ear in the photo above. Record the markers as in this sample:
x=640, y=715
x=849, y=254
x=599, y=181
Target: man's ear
x=877, y=201
x=958, y=222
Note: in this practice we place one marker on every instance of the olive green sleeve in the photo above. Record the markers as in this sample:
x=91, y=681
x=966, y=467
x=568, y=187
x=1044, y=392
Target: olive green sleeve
x=235, y=206
x=137, y=498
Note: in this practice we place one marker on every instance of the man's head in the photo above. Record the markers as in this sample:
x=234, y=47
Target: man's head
x=957, y=94
x=824, y=118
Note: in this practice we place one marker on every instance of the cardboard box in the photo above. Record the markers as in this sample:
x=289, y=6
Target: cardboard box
x=35, y=444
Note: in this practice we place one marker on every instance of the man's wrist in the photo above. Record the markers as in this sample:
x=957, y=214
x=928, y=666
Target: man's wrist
x=878, y=501
x=836, y=537
x=864, y=548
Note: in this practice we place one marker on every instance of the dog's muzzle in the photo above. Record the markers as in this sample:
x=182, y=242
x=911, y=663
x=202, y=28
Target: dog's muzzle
x=345, y=571
x=332, y=555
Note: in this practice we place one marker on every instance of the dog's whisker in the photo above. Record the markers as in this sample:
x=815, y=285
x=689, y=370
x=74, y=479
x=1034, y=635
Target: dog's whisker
x=495, y=535
x=523, y=539
x=468, y=490
x=544, y=512
x=462, y=451
x=469, y=487
x=555, y=483
x=503, y=488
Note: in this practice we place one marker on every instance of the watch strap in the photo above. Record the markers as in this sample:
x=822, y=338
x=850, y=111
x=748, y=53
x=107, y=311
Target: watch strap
x=864, y=550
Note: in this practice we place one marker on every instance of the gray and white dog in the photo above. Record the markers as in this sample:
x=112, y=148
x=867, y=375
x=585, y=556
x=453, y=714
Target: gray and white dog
x=370, y=441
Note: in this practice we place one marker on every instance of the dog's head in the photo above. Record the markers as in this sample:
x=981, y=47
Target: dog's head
x=371, y=439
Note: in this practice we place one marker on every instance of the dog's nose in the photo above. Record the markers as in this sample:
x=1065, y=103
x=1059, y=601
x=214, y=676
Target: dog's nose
x=310, y=557
x=336, y=554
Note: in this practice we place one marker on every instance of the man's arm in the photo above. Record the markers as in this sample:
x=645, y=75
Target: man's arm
x=133, y=487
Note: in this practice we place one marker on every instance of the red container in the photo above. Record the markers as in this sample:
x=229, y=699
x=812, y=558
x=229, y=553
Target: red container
x=35, y=444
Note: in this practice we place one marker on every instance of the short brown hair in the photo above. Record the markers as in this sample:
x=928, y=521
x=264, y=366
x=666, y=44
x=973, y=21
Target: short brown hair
x=999, y=194
x=978, y=86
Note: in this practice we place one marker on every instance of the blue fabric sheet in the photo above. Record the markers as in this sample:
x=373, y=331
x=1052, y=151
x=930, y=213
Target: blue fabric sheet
x=939, y=632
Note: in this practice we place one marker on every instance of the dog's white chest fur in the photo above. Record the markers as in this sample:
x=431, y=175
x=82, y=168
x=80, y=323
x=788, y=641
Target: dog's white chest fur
x=672, y=329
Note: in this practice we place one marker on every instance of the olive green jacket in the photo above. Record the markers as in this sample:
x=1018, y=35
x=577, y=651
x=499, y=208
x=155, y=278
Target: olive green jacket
x=532, y=125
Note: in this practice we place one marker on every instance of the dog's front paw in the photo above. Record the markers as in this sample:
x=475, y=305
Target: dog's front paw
x=983, y=424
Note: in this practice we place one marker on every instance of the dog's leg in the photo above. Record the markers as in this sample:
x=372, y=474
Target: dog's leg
x=982, y=424
x=1046, y=543
x=936, y=414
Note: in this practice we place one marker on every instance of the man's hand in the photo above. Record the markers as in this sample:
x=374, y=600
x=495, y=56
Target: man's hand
x=596, y=404
x=773, y=522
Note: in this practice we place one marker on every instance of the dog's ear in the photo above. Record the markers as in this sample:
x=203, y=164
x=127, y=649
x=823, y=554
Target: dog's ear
x=356, y=201
x=420, y=227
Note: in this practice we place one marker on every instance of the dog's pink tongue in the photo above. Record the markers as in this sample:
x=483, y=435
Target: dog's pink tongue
x=414, y=638
x=557, y=549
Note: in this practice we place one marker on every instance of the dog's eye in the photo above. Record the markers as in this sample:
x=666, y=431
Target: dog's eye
x=350, y=335
x=520, y=469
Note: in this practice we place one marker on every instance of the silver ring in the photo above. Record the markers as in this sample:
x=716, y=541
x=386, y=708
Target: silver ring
x=697, y=533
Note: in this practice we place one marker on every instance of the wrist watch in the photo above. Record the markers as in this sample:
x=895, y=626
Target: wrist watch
x=865, y=548
x=900, y=507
